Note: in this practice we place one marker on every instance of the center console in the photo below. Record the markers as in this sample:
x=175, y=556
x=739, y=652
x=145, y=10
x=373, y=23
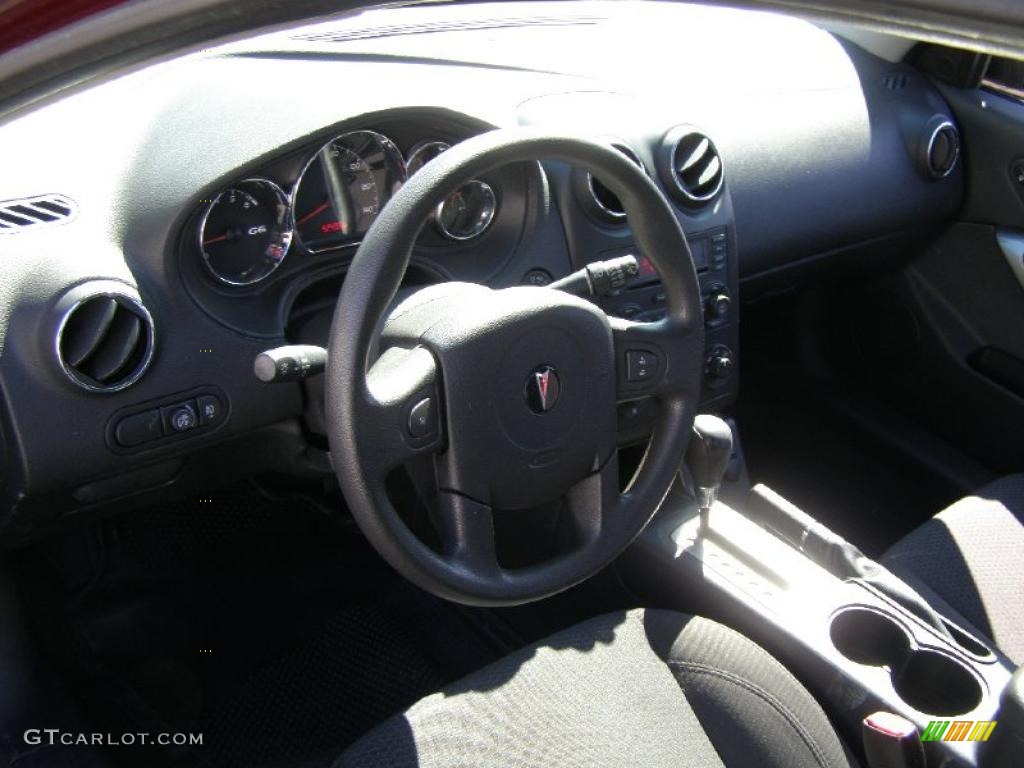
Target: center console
x=858, y=650
x=713, y=252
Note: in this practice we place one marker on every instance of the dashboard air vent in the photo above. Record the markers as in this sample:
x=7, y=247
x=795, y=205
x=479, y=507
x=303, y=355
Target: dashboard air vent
x=942, y=148
x=34, y=212
x=608, y=204
x=691, y=166
x=105, y=341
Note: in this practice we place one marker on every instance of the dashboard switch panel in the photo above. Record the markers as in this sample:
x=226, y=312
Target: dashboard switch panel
x=167, y=420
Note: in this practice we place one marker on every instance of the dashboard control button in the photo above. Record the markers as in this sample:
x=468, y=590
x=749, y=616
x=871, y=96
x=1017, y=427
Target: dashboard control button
x=717, y=305
x=719, y=365
x=630, y=311
x=138, y=428
x=180, y=418
x=210, y=409
x=538, y=277
x=421, y=418
x=641, y=365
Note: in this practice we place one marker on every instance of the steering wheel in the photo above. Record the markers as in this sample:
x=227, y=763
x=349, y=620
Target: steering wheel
x=512, y=393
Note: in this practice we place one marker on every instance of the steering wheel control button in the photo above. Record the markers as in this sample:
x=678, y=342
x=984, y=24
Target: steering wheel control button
x=180, y=418
x=138, y=428
x=641, y=365
x=543, y=388
x=210, y=409
x=421, y=419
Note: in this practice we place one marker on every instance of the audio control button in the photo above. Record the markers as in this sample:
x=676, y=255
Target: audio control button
x=641, y=365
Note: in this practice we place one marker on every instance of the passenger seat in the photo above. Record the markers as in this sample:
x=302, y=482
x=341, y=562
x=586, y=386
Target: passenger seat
x=971, y=556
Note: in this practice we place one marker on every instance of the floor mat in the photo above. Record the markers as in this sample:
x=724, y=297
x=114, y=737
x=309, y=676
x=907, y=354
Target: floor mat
x=268, y=628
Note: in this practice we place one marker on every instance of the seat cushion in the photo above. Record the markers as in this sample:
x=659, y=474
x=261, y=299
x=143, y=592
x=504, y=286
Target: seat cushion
x=643, y=688
x=970, y=555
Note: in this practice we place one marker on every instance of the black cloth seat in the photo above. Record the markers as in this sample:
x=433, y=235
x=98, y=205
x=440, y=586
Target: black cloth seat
x=641, y=689
x=970, y=558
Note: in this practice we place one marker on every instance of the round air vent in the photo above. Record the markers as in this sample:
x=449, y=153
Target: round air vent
x=941, y=148
x=105, y=337
x=690, y=166
x=607, y=204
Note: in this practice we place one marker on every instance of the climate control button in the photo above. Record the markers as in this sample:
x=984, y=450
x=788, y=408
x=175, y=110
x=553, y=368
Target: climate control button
x=719, y=365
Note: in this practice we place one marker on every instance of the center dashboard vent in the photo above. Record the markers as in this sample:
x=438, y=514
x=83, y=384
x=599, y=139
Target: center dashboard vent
x=691, y=166
x=604, y=203
x=105, y=339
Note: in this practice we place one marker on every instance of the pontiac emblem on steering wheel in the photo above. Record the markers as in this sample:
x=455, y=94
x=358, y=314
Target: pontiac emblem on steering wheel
x=542, y=389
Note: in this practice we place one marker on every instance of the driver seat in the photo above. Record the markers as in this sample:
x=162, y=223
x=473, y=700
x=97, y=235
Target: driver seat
x=640, y=689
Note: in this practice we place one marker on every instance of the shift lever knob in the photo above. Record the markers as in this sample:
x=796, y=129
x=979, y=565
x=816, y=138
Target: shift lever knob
x=707, y=457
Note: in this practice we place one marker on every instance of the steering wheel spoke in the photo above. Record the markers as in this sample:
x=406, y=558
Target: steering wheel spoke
x=402, y=415
x=594, y=502
x=466, y=528
x=648, y=358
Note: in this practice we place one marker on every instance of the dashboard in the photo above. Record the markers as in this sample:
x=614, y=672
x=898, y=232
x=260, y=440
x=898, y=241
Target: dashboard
x=161, y=230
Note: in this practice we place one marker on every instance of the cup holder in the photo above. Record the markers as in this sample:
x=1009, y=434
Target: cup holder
x=929, y=681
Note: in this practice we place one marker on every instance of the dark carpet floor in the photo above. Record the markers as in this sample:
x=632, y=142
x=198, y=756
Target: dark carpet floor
x=270, y=629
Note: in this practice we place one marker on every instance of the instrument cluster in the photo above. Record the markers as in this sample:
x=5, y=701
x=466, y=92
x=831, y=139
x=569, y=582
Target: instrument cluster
x=246, y=231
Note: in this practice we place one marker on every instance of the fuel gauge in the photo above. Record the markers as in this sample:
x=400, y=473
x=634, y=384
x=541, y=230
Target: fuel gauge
x=467, y=212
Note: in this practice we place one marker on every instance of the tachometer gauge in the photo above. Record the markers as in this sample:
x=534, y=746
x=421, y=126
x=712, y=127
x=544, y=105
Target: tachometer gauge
x=343, y=188
x=245, y=232
x=467, y=212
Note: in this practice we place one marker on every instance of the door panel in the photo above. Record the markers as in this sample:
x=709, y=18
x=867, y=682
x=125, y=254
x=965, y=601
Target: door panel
x=958, y=323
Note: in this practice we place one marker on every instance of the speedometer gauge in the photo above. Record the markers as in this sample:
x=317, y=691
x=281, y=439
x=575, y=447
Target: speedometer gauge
x=343, y=188
x=245, y=232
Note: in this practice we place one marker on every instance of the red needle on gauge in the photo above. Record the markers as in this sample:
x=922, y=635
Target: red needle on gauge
x=314, y=212
x=215, y=239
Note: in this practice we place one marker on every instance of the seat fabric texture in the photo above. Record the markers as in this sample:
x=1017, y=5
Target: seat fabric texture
x=641, y=688
x=971, y=557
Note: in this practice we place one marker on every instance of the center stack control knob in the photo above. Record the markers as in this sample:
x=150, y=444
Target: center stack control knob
x=719, y=365
x=717, y=304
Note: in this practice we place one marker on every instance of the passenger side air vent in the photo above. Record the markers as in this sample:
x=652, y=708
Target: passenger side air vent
x=941, y=148
x=34, y=212
x=690, y=166
x=105, y=338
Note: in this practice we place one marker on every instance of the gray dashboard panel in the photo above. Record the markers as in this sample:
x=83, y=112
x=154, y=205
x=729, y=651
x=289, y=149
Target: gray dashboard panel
x=819, y=155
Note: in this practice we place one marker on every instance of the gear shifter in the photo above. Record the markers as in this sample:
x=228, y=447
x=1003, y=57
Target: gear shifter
x=707, y=457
